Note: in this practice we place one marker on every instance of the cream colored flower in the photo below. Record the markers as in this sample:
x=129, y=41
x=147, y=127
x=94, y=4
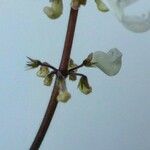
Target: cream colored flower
x=43, y=72
x=55, y=10
x=48, y=79
x=101, y=6
x=135, y=23
x=84, y=86
x=63, y=95
x=109, y=63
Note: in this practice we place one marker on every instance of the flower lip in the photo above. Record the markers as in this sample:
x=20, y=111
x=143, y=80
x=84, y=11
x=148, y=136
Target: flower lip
x=110, y=62
x=136, y=23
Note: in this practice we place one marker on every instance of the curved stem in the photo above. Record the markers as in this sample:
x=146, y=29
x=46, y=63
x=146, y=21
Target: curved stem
x=63, y=67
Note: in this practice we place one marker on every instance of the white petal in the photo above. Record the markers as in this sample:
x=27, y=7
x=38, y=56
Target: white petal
x=137, y=23
x=109, y=63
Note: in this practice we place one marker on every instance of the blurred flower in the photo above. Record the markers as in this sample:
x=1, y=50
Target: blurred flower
x=72, y=65
x=101, y=6
x=33, y=63
x=48, y=79
x=43, y=72
x=63, y=95
x=110, y=62
x=55, y=10
x=84, y=86
x=139, y=23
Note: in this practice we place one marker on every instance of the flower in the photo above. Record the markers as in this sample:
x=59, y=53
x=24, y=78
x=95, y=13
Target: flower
x=101, y=6
x=109, y=63
x=43, y=72
x=84, y=86
x=48, y=79
x=72, y=65
x=63, y=95
x=55, y=10
x=135, y=23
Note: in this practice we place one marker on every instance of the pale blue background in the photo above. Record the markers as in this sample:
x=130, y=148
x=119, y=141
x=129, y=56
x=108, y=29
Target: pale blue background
x=116, y=116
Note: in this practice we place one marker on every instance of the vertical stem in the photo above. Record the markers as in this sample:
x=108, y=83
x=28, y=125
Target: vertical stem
x=63, y=67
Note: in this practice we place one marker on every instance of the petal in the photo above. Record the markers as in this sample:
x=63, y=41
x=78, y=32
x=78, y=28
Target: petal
x=55, y=10
x=42, y=72
x=101, y=6
x=63, y=96
x=137, y=23
x=110, y=62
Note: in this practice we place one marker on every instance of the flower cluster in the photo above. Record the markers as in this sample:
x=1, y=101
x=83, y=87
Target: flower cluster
x=109, y=63
x=139, y=23
x=43, y=72
x=56, y=8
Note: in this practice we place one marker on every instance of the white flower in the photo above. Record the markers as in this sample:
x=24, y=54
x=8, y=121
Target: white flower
x=109, y=63
x=139, y=23
x=55, y=10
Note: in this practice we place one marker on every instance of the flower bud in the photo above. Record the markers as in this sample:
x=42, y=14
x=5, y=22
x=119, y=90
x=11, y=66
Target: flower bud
x=101, y=6
x=55, y=10
x=48, y=79
x=72, y=65
x=43, y=72
x=63, y=96
x=84, y=86
x=72, y=77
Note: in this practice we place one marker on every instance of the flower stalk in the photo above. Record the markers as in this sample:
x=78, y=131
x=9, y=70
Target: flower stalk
x=63, y=69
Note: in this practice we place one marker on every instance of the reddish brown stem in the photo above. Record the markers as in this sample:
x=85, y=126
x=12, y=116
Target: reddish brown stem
x=63, y=68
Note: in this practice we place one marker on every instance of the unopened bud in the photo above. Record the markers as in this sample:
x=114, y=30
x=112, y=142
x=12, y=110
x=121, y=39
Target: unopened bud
x=43, y=72
x=48, y=79
x=84, y=86
x=101, y=6
x=63, y=96
x=55, y=10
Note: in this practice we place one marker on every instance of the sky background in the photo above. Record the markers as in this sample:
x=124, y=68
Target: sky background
x=114, y=117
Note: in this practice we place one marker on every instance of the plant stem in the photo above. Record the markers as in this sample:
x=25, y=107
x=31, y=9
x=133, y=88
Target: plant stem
x=77, y=67
x=63, y=68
